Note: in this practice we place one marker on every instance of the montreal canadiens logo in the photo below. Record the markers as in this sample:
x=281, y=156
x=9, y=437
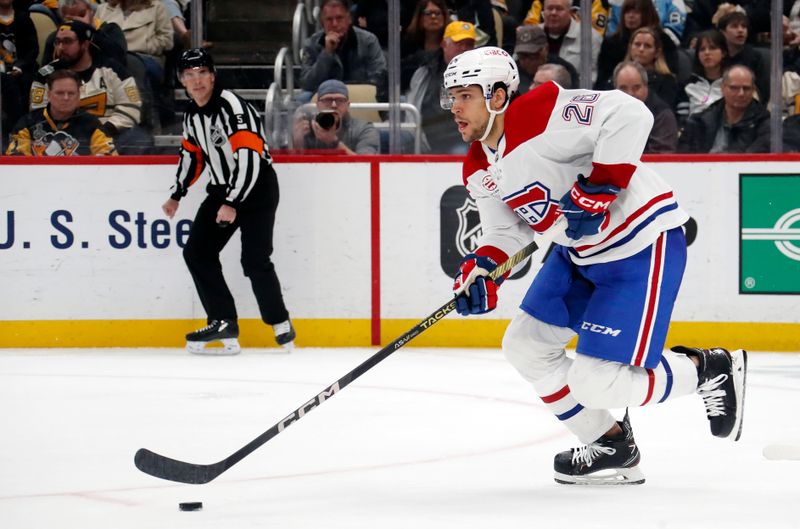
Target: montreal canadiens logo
x=488, y=183
x=534, y=205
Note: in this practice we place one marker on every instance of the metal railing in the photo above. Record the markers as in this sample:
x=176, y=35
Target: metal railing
x=279, y=99
x=300, y=26
x=304, y=21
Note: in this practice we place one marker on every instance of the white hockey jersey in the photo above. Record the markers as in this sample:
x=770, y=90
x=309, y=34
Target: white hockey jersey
x=551, y=136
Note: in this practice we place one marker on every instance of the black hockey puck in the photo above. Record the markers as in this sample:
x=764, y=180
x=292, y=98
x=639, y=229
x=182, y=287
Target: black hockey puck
x=191, y=506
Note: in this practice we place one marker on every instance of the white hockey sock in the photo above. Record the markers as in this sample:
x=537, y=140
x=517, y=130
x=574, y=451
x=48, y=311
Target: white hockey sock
x=587, y=424
x=675, y=376
x=599, y=383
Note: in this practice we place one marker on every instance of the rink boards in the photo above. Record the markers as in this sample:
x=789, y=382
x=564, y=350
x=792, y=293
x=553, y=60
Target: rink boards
x=365, y=247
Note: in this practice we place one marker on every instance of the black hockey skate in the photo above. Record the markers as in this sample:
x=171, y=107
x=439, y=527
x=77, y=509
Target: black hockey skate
x=225, y=331
x=721, y=380
x=285, y=335
x=607, y=461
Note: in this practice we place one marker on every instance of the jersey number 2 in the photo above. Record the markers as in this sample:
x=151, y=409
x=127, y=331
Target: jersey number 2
x=581, y=114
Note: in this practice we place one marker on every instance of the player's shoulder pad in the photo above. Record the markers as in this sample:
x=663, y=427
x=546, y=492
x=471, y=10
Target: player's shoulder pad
x=528, y=115
x=474, y=162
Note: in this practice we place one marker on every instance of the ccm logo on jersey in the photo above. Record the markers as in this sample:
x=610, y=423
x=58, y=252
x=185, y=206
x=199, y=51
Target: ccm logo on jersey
x=600, y=329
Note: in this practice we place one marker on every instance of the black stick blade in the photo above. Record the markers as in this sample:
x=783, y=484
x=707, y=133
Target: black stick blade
x=173, y=470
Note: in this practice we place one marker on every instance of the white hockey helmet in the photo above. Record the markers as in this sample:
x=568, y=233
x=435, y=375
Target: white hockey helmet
x=484, y=67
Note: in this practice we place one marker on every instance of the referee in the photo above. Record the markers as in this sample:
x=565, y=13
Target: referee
x=223, y=135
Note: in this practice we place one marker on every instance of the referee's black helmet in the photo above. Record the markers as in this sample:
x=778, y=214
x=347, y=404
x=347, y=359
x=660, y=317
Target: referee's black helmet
x=195, y=58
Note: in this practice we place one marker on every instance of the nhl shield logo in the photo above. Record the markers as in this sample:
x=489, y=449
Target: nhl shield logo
x=218, y=137
x=469, y=227
x=460, y=227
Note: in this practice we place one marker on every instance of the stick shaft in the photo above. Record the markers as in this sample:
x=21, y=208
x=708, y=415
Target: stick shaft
x=180, y=471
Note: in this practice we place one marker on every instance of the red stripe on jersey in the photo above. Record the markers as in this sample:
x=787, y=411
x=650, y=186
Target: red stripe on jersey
x=617, y=174
x=651, y=382
x=528, y=115
x=474, y=162
x=635, y=215
x=558, y=395
x=652, y=301
x=494, y=253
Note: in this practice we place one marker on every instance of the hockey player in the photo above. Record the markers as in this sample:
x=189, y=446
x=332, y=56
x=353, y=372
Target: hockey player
x=613, y=276
x=223, y=135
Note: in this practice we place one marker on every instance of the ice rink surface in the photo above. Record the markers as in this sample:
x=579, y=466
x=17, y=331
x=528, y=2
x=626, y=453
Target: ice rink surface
x=429, y=438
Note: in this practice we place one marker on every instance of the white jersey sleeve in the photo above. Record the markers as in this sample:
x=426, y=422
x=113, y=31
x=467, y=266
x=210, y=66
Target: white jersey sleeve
x=552, y=135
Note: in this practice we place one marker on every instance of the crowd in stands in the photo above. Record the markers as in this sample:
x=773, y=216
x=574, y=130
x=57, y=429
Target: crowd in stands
x=119, y=51
x=701, y=66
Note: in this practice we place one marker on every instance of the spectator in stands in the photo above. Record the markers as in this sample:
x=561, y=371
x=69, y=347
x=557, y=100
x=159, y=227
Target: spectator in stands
x=107, y=89
x=109, y=41
x=791, y=44
x=182, y=35
x=564, y=34
x=441, y=137
x=341, y=51
x=704, y=87
x=479, y=13
x=631, y=78
x=373, y=16
x=791, y=133
x=791, y=32
x=635, y=14
x=148, y=31
x=735, y=123
x=19, y=48
x=733, y=23
x=552, y=72
x=645, y=48
x=505, y=25
x=332, y=126
x=671, y=17
x=704, y=14
x=535, y=14
x=423, y=37
x=60, y=129
x=531, y=53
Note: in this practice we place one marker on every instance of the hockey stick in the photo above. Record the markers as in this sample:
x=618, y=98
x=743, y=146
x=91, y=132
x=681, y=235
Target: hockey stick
x=174, y=470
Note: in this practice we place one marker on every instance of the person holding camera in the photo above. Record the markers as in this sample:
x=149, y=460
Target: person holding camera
x=331, y=126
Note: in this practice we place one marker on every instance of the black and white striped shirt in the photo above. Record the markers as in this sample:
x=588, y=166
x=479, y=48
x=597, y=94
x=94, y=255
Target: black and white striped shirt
x=226, y=138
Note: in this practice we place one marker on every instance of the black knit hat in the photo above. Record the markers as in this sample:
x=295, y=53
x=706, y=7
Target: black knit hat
x=83, y=30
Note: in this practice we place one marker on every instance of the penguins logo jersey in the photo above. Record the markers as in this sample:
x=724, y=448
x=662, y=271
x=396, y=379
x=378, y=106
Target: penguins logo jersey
x=38, y=134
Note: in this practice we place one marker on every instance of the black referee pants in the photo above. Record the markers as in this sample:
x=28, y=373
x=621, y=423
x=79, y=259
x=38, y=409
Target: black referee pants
x=256, y=219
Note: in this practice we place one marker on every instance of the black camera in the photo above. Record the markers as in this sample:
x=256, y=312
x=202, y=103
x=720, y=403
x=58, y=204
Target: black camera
x=327, y=119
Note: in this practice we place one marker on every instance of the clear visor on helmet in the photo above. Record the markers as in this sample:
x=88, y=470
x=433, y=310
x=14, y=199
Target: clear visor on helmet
x=445, y=99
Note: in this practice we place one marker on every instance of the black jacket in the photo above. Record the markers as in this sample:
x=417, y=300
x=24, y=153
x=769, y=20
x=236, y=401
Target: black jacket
x=23, y=46
x=750, y=134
